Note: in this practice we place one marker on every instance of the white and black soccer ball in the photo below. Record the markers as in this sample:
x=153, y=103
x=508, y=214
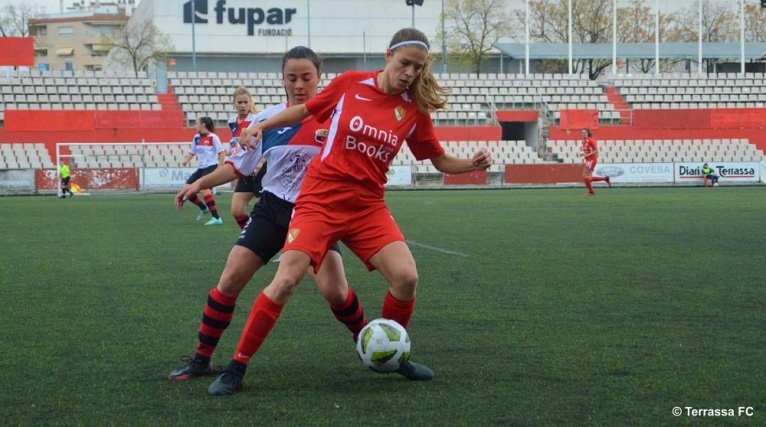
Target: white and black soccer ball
x=383, y=345
x=715, y=185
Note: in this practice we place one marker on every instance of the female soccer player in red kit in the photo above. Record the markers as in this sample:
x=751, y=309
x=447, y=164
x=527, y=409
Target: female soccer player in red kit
x=590, y=156
x=370, y=116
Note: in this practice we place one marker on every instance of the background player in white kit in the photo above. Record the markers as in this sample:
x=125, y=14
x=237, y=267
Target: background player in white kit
x=247, y=187
x=207, y=147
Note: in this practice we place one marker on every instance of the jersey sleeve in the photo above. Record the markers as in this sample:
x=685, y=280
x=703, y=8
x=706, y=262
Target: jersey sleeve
x=245, y=161
x=322, y=105
x=217, y=144
x=422, y=140
x=193, y=147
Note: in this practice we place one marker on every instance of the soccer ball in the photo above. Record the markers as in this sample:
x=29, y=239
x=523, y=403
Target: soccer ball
x=715, y=185
x=383, y=345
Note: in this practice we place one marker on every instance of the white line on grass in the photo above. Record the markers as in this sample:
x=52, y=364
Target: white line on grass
x=444, y=251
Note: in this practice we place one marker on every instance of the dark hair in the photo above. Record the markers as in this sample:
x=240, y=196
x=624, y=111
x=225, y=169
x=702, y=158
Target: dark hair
x=302, y=52
x=208, y=122
x=588, y=131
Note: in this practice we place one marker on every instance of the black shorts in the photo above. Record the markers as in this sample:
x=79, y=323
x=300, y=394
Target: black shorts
x=199, y=173
x=266, y=231
x=251, y=183
x=65, y=181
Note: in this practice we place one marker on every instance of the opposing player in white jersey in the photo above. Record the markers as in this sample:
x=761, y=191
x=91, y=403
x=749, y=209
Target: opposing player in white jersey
x=210, y=152
x=371, y=115
x=249, y=186
x=288, y=152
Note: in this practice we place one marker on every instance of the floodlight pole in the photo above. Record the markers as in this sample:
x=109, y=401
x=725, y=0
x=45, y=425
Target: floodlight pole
x=444, y=43
x=526, y=38
x=657, y=37
x=614, y=37
x=742, y=35
x=413, y=14
x=194, y=50
x=699, y=39
x=569, y=36
x=308, y=20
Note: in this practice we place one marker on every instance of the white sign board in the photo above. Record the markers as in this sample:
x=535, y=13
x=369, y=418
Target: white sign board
x=399, y=175
x=731, y=172
x=637, y=172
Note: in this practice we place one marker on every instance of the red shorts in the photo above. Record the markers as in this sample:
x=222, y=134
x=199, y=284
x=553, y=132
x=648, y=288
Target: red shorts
x=313, y=229
x=590, y=163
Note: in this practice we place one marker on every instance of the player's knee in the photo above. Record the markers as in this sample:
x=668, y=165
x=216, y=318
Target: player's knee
x=283, y=288
x=232, y=282
x=406, y=281
x=334, y=292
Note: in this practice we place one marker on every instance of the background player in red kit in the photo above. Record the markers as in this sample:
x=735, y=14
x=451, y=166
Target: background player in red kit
x=369, y=115
x=249, y=186
x=210, y=153
x=590, y=156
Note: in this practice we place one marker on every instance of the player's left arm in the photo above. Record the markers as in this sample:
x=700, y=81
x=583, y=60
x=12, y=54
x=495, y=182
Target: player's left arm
x=448, y=163
x=219, y=149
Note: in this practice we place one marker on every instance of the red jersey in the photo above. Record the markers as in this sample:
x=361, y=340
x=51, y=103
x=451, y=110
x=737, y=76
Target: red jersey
x=367, y=129
x=589, y=146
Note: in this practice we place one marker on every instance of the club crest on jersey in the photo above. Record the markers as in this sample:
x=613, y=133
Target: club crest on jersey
x=320, y=135
x=292, y=234
x=399, y=113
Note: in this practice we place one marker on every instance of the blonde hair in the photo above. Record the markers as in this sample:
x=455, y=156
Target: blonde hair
x=425, y=90
x=243, y=91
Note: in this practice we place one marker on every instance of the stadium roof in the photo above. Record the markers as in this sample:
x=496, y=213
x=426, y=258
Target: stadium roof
x=632, y=50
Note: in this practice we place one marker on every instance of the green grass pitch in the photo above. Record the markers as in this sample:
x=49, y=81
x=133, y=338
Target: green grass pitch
x=535, y=307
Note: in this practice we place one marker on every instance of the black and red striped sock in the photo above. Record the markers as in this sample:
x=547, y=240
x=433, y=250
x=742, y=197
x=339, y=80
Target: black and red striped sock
x=241, y=220
x=350, y=313
x=216, y=317
x=210, y=202
x=200, y=204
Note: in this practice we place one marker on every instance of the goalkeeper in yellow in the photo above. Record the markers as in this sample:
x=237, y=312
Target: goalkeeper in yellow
x=65, y=176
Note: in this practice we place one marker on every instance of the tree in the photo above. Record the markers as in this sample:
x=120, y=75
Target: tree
x=591, y=23
x=14, y=18
x=755, y=23
x=720, y=23
x=636, y=24
x=138, y=44
x=472, y=26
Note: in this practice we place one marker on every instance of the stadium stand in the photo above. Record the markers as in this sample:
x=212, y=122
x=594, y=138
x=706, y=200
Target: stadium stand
x=661, y=151
x=472, y=101
x=24, y=156
x=84, y=90
x=692, y=91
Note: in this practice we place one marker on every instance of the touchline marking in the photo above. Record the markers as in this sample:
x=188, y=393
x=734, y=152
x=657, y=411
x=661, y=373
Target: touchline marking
x=444, y=251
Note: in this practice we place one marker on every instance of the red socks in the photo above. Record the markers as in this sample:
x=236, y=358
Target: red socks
x=400, y=311
x=263, y=317
x=588, y=184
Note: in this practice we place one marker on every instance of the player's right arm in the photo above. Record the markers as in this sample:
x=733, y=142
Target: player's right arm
x=220, y=175
x=288, y=116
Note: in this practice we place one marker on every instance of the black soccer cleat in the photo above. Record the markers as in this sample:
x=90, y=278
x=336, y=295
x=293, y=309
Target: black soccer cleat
x=415, y=371
x=229, y=382
x=193, y=369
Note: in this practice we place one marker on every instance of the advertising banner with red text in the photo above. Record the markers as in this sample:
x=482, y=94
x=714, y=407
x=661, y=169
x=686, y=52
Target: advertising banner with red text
x=728, y=172
x=91, y=179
